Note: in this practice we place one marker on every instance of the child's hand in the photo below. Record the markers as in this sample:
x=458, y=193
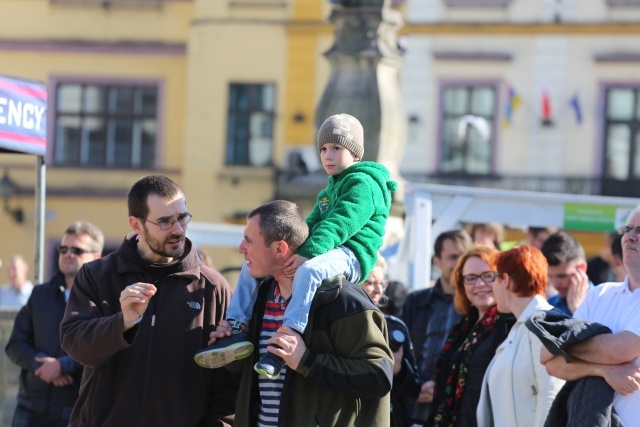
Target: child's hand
x=222, y=330
x=292, y=264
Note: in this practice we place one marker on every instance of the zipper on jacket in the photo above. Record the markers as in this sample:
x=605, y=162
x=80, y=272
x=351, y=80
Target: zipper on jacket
x=149, y=347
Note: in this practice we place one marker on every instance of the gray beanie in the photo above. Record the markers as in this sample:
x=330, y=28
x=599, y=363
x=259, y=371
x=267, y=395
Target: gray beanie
x=345, y=130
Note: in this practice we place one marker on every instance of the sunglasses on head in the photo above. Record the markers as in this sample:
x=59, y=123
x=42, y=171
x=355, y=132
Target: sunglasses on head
x=74, y=250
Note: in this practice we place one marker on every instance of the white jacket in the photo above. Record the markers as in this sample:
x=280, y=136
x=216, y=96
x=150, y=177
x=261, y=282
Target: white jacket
x=517, y=391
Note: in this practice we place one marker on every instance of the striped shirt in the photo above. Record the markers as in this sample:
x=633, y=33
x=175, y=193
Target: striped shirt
x=271, y=390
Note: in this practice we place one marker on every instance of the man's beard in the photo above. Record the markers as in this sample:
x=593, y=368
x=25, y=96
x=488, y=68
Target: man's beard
x=158, y=247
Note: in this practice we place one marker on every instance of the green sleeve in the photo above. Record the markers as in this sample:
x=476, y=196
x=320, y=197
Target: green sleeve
x=314, y=217
x=348, y=215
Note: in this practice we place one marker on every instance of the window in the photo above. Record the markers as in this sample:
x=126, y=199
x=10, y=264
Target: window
x=102, y=125
x=250, y=124
x=467, y=125
x=622, y=134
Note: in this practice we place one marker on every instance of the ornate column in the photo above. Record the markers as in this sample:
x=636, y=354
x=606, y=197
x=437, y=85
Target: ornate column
x=365, y=65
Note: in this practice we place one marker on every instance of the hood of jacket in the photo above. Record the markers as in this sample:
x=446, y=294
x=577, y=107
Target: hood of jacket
x=378, y=172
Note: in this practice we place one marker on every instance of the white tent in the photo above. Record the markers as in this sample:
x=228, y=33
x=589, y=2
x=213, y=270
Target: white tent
x=432, y=209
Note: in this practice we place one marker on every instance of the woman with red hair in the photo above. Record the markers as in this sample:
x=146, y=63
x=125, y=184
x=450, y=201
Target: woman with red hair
x=517, y=390
x=472, y=342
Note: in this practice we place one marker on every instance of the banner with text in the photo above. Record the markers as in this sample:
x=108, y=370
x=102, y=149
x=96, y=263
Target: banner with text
x=23, y=116
x=586, y=217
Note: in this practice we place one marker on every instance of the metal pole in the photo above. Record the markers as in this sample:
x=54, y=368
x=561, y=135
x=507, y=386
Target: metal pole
x=422, y=237
x=41, y=186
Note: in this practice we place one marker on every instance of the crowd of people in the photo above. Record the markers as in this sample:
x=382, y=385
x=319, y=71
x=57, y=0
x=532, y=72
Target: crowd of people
x=315, y=334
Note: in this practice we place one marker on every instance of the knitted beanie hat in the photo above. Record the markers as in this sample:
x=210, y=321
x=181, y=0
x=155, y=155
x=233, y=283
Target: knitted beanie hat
x=345, y=130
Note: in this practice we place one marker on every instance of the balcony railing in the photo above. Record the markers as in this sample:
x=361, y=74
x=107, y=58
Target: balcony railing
x=547, y=184
x=292, y=185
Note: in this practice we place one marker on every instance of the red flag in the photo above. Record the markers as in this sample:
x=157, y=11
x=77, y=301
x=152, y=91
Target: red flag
x=546, y=109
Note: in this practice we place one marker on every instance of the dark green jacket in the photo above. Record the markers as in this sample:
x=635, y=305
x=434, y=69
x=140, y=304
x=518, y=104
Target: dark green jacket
x=352, y=211
x=345, y=375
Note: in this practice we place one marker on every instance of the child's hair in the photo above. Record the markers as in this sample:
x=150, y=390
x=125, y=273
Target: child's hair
x=345, y=130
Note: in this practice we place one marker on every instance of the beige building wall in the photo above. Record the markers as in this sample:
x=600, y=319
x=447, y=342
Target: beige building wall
x=518, y=145
x=45, y=41
x=194, y=50
x=238, y=42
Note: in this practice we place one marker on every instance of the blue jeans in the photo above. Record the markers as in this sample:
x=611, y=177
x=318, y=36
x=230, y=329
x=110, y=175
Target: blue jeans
x=23, y=417
x=306, y=281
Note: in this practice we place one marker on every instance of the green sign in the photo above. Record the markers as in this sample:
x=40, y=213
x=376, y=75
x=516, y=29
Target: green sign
x=579, y=216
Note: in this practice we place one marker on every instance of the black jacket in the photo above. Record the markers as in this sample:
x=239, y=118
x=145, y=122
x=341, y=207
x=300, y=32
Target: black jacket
x=478, y=364
x=147, y=377
x=407, y=383
x=429, y=314
x=36, y=332
x=345, y=374
x=588, y=401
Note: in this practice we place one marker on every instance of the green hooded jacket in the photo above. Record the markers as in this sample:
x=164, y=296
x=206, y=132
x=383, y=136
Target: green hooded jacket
x=352, y=211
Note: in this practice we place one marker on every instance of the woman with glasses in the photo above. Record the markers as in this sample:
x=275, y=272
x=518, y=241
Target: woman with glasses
x=406, y=380
x=472, y=342
x=517, y=390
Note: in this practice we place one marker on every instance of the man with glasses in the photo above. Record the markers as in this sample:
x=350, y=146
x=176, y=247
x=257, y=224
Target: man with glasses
x=135, y=318
x=49, y=378
x=429, y=314
x=616, y=356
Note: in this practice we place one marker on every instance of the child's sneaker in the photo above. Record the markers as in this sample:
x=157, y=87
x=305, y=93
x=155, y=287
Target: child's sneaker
x=225, y=350
x=269, y=366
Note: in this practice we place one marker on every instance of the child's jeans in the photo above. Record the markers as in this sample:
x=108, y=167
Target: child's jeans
x=307, y=280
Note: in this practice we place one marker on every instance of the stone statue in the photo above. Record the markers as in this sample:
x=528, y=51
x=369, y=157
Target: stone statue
x=365, y=64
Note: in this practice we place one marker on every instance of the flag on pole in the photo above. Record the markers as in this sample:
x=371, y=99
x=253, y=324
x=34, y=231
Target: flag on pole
x=575, y=104
x=511, y=104
x=546, y=109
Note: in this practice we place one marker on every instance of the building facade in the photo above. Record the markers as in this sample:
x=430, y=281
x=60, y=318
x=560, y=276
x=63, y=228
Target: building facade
x=214, y=94
x=549, y=90
x=221, y=96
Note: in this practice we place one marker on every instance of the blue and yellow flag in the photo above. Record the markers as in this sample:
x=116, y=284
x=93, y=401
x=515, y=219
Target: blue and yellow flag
x=511, y=104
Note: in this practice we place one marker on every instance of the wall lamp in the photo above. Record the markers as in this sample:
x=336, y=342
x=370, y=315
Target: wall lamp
x=299, y=117
x=8, y=189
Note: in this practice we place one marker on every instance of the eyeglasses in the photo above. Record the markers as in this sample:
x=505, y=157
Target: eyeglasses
x=486, y=277
x=382, y=283
x=624, y=229
x=168, y=225
x=74, y=250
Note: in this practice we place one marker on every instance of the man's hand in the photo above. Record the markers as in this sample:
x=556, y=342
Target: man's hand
x=397, y=361
x=49, y=370
x=624, y=378
x=426, y=392
x=134, y=300
x=545, y=355
x=292, y=264
x=575, y=370
x=578, y=289
x=290, y=346
x=63, y=381
x=223, y=329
